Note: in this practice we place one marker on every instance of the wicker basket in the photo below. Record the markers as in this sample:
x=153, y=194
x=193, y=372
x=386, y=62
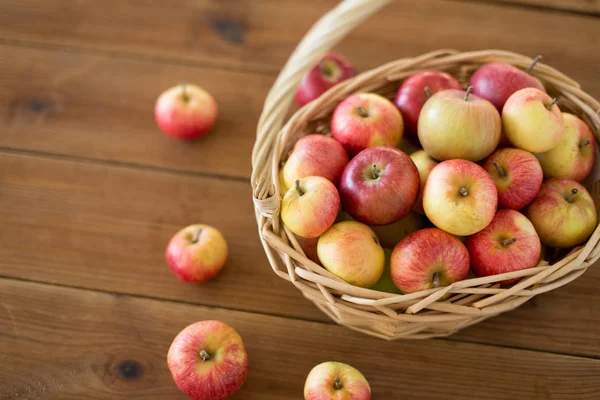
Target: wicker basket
x=425, y=314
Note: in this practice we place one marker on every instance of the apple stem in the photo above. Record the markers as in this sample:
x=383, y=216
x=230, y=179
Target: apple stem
x=428, y=91
x=500, y=170
x=197, y=236
x=468, y=92
x=463, y=191
x=375, y=172
x=337, y=383
x=184, y=94
x=205, y=356
x=574, y=192
x=536, y=60
x=362, y=112
x=324, y=68
x=508, y=242
x=436, y=279
x=298, y=188
x=554, y=101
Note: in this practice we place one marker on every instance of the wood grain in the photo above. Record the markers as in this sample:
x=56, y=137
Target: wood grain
x=584, y=6
x=72, y=344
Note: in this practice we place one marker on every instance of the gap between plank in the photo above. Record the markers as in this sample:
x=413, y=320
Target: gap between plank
x=534, y=7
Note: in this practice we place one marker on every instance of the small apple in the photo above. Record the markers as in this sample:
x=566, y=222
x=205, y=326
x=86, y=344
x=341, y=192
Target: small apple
x=379, y=185
x=495, y=82
x=208, y=361
x=532, y=121
x=351, y=251
x=563, y=213
x=517, y=174
x=460, y=197
x=185, y=111
x=424, y=165
x=386, y=283
x=336, y=381
x=456, y=124
x=415, y=91
x=427, y=259
x=390, y=235
x=509, y=243
x=196, y=253
x=366, y=120
x=573, y=157
x=310, y=207
x=331, y=70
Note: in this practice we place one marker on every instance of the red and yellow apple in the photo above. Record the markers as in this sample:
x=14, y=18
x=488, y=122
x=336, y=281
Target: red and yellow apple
x=424, y=165
x=336, y=381
x=390, y=235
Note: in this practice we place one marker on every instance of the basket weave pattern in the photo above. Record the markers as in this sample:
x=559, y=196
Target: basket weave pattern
x=428, y=313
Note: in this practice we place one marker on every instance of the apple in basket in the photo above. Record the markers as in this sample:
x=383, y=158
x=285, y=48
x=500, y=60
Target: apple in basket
x=563, y=213
x=517, y=174
x=332, y=69
x=424, y=165
x=366, y=120
x=427, y=259
x=573, y=157
x=208, y=361
x=336, y=381
x=456, y=124
x=386, y=283
x=532, y=121
x=390, y=235
x=185, y=111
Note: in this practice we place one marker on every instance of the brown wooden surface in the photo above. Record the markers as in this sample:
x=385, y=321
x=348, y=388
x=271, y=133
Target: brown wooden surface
x=91, y=191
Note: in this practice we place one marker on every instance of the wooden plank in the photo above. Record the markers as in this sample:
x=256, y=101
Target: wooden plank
x=583, y=6
x=72, y=344
x=106, y=228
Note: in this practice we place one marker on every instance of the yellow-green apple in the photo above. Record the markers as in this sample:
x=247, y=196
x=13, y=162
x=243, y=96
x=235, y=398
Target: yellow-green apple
x=563, y=213
x=315, y=155
x=427, y=259
x=532, y=121
x=517, y=174
x=460, y=197
x=208, y=361
x=196, y=253
x=495, y=82
x=336, y=381
x=366, y=120
x=351, y=251
x=390, y=235
x=310, y=207
x=573, y=157
x=332, y=69
x=379, y=185
x=185, y=111
x=415, y=91
x=509, y=243
x=386, y=283
x=456, y=124
x=424, y=165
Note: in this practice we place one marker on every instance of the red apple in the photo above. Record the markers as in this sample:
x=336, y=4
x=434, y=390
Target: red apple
x=424, y=165
x=517, y=174
x=336, y=381
x=366, y=120
x=208, y=361
x=427, y=259
x=197, y=253
x=455, y=124
x=315, y=155
x=460, y=197
x=415, y=91
x=509, y=243
x=331, y=70
x=563, y=213
x=495, y=82
x=185, y=111
x=310, y=207
x=380, y=185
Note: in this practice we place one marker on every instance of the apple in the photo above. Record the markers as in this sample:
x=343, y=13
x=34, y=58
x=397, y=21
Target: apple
x=495, y=82
x=208, y=361
x=386, y=283
x=427, y=259
x=310, y=207
x=532, y=121
x=332, y=69
x=185, y=111
x=563, y=213
x=315, y=155
x=456, y=124
x=336, y=381
x=408, y=146
x=310, y=248
x=424, y=165
x=415, y=91
x=460, y=197
x=379, y=185
x=573, y=157
x=196, y=253
x=517, y=174
x=390, y=235
x=366, y=120
x=509, y=243
x=351, y=251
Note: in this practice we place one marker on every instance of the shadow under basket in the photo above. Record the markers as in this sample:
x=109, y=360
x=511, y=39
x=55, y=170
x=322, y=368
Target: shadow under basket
x=425, y=314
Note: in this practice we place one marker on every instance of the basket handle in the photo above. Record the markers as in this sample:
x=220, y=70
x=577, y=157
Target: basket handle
x=323, y=36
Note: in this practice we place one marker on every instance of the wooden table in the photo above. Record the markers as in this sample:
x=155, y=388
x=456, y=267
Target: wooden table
x=91, y=191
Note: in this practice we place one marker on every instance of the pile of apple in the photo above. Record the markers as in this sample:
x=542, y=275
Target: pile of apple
x=496, y=175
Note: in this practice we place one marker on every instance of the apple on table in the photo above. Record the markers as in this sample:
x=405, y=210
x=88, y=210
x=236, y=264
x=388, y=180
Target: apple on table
x=336, y=381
